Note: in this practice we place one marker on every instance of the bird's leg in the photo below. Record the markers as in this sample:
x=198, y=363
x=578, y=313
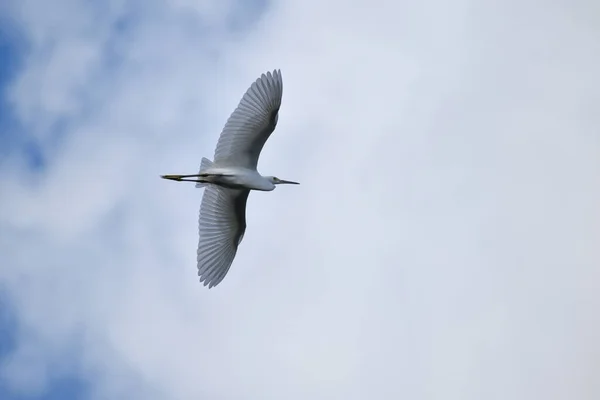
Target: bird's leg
x=193, y=180
x=180, y=178
x=183, y=178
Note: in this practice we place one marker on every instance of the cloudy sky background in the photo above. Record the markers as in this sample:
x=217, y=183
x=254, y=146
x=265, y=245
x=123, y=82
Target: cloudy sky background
x=443, y=243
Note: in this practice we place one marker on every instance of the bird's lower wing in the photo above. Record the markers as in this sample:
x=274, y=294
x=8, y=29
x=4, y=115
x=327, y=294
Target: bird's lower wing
x=222, y=225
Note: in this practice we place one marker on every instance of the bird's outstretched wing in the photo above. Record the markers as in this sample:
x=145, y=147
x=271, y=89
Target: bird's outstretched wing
x=251, y=124
x=222, y=225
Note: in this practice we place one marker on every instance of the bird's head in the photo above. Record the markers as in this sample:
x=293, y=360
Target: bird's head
x=276, y=181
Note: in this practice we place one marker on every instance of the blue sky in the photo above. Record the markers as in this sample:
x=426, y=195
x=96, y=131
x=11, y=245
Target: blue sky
x=68, y=386
x=13, y=50
x=10, y=55
x=442, y=243
x=62, y=380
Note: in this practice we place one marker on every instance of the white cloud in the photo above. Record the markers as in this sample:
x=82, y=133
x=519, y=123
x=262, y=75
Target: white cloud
x=442, y=242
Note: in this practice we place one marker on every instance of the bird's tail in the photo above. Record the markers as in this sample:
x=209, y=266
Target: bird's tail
x=204, y=165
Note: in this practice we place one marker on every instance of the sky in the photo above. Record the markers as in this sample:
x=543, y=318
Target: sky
x=442, y=243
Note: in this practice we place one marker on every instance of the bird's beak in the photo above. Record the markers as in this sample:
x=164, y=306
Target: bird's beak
x=288, y=182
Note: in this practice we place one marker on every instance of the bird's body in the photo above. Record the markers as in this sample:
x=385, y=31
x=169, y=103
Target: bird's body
x=236, y=178
x=229, y=179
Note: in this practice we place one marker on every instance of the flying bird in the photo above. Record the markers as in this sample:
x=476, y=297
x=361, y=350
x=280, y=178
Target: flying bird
x=229, y=178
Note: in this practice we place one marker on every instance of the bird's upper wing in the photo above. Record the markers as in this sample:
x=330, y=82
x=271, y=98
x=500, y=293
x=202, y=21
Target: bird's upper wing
x=222, y=226
x=251, y=124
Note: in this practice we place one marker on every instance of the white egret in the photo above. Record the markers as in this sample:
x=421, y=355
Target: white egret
x=229, y=178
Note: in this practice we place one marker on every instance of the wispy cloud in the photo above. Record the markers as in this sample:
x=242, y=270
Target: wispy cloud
x=442, y=244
